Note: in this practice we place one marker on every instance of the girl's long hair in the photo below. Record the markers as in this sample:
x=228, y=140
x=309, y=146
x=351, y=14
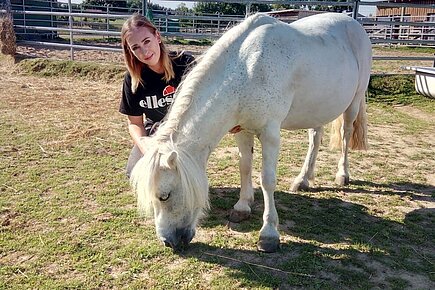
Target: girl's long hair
x=135, y=66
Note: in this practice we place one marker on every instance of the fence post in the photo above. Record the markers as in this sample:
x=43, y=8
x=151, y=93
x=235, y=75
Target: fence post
x=24, y=18
x=422, y=36
x=51, y=19
x=82, y=22
x=144, y=7
x=167, y=20
x=193, y=26
x=248, y=9
x=218, y=23
x=107, y=19
x=70, y=20
x=402, y=19
x=355, y=9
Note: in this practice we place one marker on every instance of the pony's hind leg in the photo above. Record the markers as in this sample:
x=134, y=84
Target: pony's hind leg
x=242, y=209
x=270, y=140
x=347, y=126
x=306, y=176
x=342, y=176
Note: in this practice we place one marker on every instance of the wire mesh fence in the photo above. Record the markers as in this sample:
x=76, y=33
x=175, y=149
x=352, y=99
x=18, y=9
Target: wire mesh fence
x=83, y=26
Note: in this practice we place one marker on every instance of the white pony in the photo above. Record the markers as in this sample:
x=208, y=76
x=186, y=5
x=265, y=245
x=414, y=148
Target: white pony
x=263, y=75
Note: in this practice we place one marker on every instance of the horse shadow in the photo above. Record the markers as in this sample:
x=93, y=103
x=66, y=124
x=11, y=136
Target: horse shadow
x=328, y=242
x=416, y=191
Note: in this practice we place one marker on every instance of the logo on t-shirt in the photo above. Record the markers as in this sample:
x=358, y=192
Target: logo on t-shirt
x=152, y=102
x=169, y=90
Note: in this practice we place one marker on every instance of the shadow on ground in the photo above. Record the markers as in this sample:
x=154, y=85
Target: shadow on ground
x=329, y=243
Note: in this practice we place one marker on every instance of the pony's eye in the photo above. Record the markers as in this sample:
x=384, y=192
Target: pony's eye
x=165, y=197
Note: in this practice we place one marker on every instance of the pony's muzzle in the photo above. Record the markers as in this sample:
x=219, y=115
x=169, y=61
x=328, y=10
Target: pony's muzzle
x=179, y=239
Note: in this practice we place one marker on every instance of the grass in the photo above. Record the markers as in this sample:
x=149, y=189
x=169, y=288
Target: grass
x=68, y=217
x=396, y=90
x=406, y=49
x=199, y=42
x=86, y=70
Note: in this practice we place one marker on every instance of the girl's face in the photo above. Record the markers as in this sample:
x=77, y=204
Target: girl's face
x=145, y=46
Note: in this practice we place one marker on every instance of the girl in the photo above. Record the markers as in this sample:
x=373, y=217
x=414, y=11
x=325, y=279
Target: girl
x=150, y=82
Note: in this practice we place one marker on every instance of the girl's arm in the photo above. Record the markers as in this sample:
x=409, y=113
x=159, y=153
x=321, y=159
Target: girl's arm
x=136, y=130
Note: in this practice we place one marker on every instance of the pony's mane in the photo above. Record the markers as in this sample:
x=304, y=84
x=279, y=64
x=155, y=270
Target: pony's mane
x=145, y=178
x=145, y=175
x=190, y=82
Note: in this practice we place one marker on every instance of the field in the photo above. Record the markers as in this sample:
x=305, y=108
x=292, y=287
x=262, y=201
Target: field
x=68, y=217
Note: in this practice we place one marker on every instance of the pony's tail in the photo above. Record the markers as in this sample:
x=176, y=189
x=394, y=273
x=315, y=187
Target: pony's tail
x=335, y=139
x=358, y=139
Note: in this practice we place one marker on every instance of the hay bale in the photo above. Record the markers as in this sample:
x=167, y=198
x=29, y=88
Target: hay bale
x=7, y=36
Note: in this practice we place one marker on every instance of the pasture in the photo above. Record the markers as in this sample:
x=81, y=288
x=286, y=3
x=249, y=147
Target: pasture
x=68, y=217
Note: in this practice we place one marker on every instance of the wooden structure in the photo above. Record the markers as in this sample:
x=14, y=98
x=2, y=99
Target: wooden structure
x=291, y=15
x=418, y=14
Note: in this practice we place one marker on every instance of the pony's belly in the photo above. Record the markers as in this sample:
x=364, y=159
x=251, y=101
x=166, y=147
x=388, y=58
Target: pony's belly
x=318, y=101
x=304, y=117
x=299, y=123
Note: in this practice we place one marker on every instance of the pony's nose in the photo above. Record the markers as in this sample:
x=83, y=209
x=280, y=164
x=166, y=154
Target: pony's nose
x=180, y=239
x=185, y=235
x=168, y=244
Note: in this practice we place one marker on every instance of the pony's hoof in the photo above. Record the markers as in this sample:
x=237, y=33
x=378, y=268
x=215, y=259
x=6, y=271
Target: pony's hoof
x=300, y=187
x=342, y=180
x=268, y=245
x=238, y=216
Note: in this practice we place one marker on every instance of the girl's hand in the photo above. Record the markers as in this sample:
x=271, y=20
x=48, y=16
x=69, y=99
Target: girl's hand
x=137, y=130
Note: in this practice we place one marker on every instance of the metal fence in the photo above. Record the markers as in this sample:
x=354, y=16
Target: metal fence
x=74, y=26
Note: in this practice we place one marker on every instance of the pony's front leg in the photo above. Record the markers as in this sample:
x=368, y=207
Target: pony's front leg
x=242, y=209
x=270, y=141
x=306, y=176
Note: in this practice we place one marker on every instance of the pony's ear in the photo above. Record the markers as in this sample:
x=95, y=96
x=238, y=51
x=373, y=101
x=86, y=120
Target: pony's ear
x=168, y=160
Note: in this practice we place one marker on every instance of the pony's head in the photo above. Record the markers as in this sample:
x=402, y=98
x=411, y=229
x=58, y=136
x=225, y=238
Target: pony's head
x=171, y=184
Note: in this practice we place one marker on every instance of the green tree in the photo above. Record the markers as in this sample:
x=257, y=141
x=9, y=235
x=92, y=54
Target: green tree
x=113, y=3
x=157, y=7
x=284, y=6
x=228, y=8
x=135, y=4
x=332, y=8
x=260, y=8
x=182, y=8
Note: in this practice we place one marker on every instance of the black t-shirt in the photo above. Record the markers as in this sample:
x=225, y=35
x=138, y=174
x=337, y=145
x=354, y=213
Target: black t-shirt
x=155, y=95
